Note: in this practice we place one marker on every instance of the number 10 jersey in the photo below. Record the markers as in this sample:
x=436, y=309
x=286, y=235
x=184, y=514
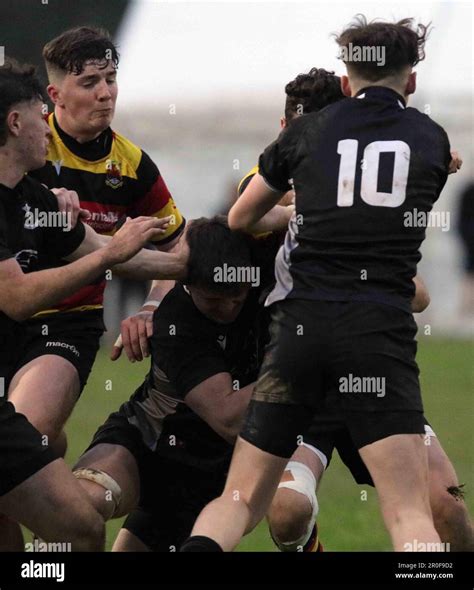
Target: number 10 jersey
x=366, y=173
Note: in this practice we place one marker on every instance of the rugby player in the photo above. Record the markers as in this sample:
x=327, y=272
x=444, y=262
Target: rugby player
x=347, y=267
x=33, y=240
x=165, y=453
x=295, y=506
x=113, y=179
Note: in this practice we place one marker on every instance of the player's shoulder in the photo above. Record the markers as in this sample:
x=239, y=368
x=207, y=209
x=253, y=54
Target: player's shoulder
x=309, y=122
x=423, y=120
x=37, y=193
x=176, y=309
x=127, y=150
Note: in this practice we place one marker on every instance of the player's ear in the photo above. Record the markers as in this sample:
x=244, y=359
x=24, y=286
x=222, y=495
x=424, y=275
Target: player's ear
x=411, y=84
x=346, y=86
x=283, y=122
x=54, y=94
x=13, y=123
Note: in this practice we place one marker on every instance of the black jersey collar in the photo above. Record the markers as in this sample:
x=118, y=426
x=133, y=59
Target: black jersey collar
x=97, y=149
x=382, y=93
x=15, y=190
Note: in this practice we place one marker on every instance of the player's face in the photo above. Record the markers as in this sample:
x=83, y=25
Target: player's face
x=88, y=100
x=219, y=308
x=35, y=134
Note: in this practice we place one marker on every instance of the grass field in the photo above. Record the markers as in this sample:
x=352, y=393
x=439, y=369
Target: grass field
x=347, y=522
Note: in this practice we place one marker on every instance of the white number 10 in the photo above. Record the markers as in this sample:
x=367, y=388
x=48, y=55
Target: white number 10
x=347, y=148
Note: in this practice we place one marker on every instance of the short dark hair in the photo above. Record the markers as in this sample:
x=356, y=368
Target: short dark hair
x=310, y=92
x=212, y=245
x=73, y=49
x=403, y=43
x=18, y=83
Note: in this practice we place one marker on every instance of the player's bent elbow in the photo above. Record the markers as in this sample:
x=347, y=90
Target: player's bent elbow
x=420, y=301
x=236, y=223
x=15, y=309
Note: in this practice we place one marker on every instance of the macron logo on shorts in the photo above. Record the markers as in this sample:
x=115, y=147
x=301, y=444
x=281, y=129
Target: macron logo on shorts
x=70, y=347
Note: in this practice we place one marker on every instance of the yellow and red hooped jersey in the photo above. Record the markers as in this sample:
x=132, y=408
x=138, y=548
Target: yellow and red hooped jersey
x=114, y=178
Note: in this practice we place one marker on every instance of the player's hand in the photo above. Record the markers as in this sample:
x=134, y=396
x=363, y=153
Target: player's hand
x=132, y=236
x=134, y=334
x=181, y=252
x=69, y=204
x=456, y=162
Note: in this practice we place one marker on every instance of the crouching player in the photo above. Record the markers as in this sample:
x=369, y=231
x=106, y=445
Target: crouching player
x=165, y=453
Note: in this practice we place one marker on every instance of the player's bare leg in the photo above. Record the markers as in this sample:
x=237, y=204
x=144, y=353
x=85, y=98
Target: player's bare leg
x=450, y=514
x=127, y=541
x=251, y=484
x=114, y=489
x=52, y=504
x=398, y=465
x=293, y=511
x=45, y=391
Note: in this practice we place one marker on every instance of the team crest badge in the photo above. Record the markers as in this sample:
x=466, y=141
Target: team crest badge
x=113, y=175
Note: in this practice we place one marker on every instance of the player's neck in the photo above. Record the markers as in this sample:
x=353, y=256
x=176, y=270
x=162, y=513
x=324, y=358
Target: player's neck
x=11, y=168
x=357, y=86
x=67, y=125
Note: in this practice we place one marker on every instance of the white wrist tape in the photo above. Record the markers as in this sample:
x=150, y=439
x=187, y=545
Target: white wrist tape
x=152, y=302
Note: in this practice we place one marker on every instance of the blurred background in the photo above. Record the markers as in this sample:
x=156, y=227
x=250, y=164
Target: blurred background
x=201, y=89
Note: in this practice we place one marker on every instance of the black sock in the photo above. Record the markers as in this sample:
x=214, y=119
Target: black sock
x=200, y=543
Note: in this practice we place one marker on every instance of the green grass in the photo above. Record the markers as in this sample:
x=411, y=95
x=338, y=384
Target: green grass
x=347, y=521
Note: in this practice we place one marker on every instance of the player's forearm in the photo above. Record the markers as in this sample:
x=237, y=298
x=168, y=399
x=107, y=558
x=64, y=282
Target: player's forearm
x=275, y=220
x=236, y=404
x=150, y=265
x=157, y=292
x=256, y=201
x=30, y=293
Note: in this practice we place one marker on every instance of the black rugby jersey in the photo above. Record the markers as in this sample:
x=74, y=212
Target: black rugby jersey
x=187, y=348
x=362, y=169
x=32, y=232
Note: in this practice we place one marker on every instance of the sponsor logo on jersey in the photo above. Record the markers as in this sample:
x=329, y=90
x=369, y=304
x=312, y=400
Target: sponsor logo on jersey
x=70, y=347
x=113, y=174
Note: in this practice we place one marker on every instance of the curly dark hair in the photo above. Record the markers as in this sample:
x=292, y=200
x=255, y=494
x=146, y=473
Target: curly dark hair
x=73, y=49
x=18, y=83
x=311, y=92
x=403, y=44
